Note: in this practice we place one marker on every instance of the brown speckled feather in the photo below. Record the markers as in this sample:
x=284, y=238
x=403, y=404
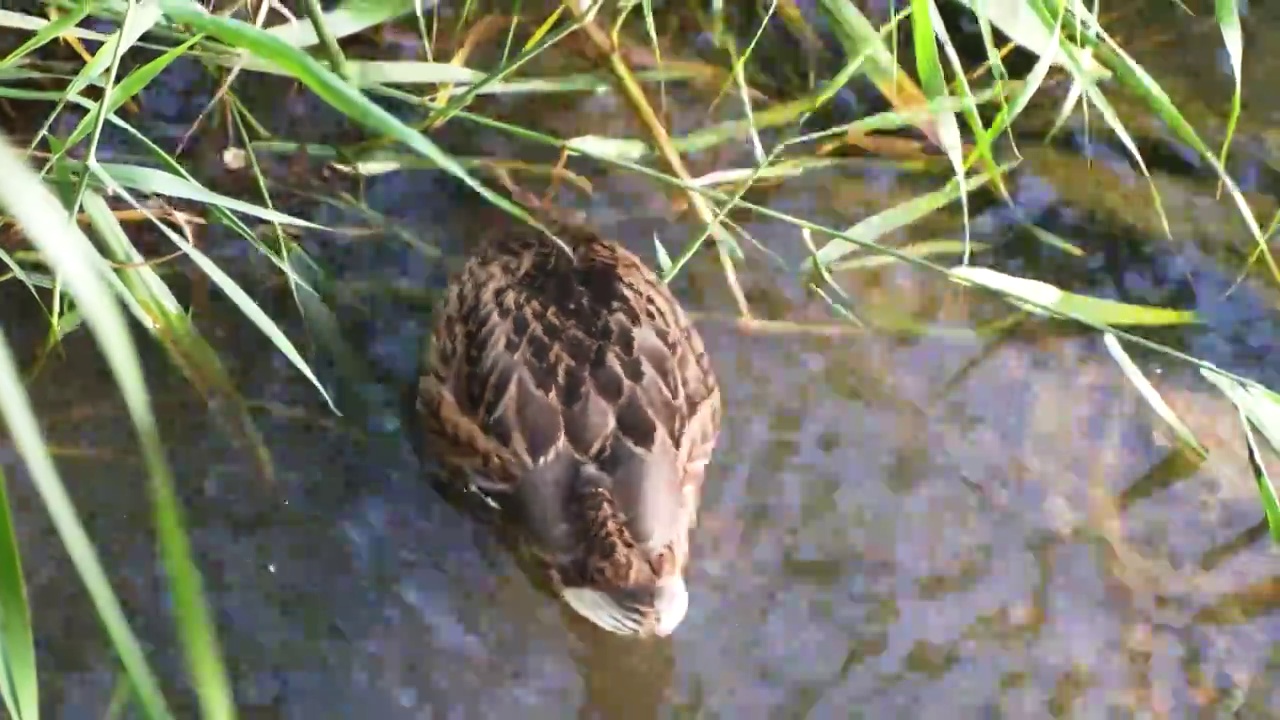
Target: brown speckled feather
x=539, y=357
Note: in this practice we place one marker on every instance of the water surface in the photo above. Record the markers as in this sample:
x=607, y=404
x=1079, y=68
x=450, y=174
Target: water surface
x=965, y=524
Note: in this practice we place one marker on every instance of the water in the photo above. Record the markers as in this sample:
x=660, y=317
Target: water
x=964, y=525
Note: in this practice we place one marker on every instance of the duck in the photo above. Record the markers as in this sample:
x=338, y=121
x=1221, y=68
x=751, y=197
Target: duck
x=564, y=385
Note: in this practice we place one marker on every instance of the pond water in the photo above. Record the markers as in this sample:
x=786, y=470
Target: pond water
x=965, y=524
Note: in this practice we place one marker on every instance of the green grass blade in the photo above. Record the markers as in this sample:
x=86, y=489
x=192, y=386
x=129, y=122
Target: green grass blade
x=1260, y=408
x=141, y=18
x=896, y=217
x=970, y=110
x=137, y=20
x=409, y=72
x=77, y=263
x=862, y=41
x=25, y=432
x=222, y=214
x=933, y=78
x=1266, y=487
x=596, y=146
x=1054, y=240
x=664, y=258
x=329, y=87
x=130, y=86
x=933, y=81
x=1011, y=110
x=1136, y=78
x=46, y=31
x=922, y=249
x=23, y=277
x=1029, y=27
x=1260, y=404
x=1033, y=295
x=1228, y=17
x=348, y=18
x=1149, y=393
x=159, y=182
x=18, y=680
x=172, y=328
x=235, y=293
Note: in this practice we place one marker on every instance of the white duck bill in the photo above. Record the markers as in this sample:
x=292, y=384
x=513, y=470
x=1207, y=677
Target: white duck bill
x=672, y=605
x=599, y=608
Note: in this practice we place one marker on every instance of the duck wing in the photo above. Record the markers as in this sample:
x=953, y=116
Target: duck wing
x=539, y=354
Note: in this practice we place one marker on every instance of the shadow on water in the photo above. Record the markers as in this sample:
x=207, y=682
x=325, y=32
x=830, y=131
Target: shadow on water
x=963, y=524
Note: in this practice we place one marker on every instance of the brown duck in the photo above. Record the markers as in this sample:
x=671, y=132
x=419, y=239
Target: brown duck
x=572, y=393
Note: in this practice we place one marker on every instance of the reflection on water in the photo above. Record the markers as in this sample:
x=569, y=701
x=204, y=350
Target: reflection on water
x=964, y=525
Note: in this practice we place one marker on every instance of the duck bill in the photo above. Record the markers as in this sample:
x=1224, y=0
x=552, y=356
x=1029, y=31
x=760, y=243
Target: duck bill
x=671, y=604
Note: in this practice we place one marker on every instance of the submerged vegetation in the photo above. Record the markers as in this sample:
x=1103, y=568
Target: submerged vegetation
x=956, y=92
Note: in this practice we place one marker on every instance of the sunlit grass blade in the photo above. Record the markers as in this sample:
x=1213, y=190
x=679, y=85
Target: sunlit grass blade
x=1054, y=240
x=664, y=257
x=18, y=682
x=172, y=328
x=773, y=170
x=1009, y=111
x=886, y=221
x=159, y=182
x=597, y=146
x=73, y=257
x=933, y=82
x=331, y=88
x=935, y=86
x=1033, y=295
x=1266, y=487
x=861, y=40
x=140, y=18
x=17, y=271
x=127, y=88
x=1020, y=21
x=380, y=75
x=1259, y=408
x=1261, y=405
x=192, y=187
x=46, y=31
x=348, y=18
x=365, y=73
x=1137, y=79
x=235, y=293
x=1149, y=393
x=970, y=111
x=739, y=82
x=1228, y=17
x=922, y=249
x=1099, y=101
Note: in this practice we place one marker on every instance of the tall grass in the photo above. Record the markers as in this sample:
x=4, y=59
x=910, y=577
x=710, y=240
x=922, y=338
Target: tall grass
x=96, y=278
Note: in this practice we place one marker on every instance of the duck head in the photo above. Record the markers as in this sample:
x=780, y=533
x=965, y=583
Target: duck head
x=614, y=536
